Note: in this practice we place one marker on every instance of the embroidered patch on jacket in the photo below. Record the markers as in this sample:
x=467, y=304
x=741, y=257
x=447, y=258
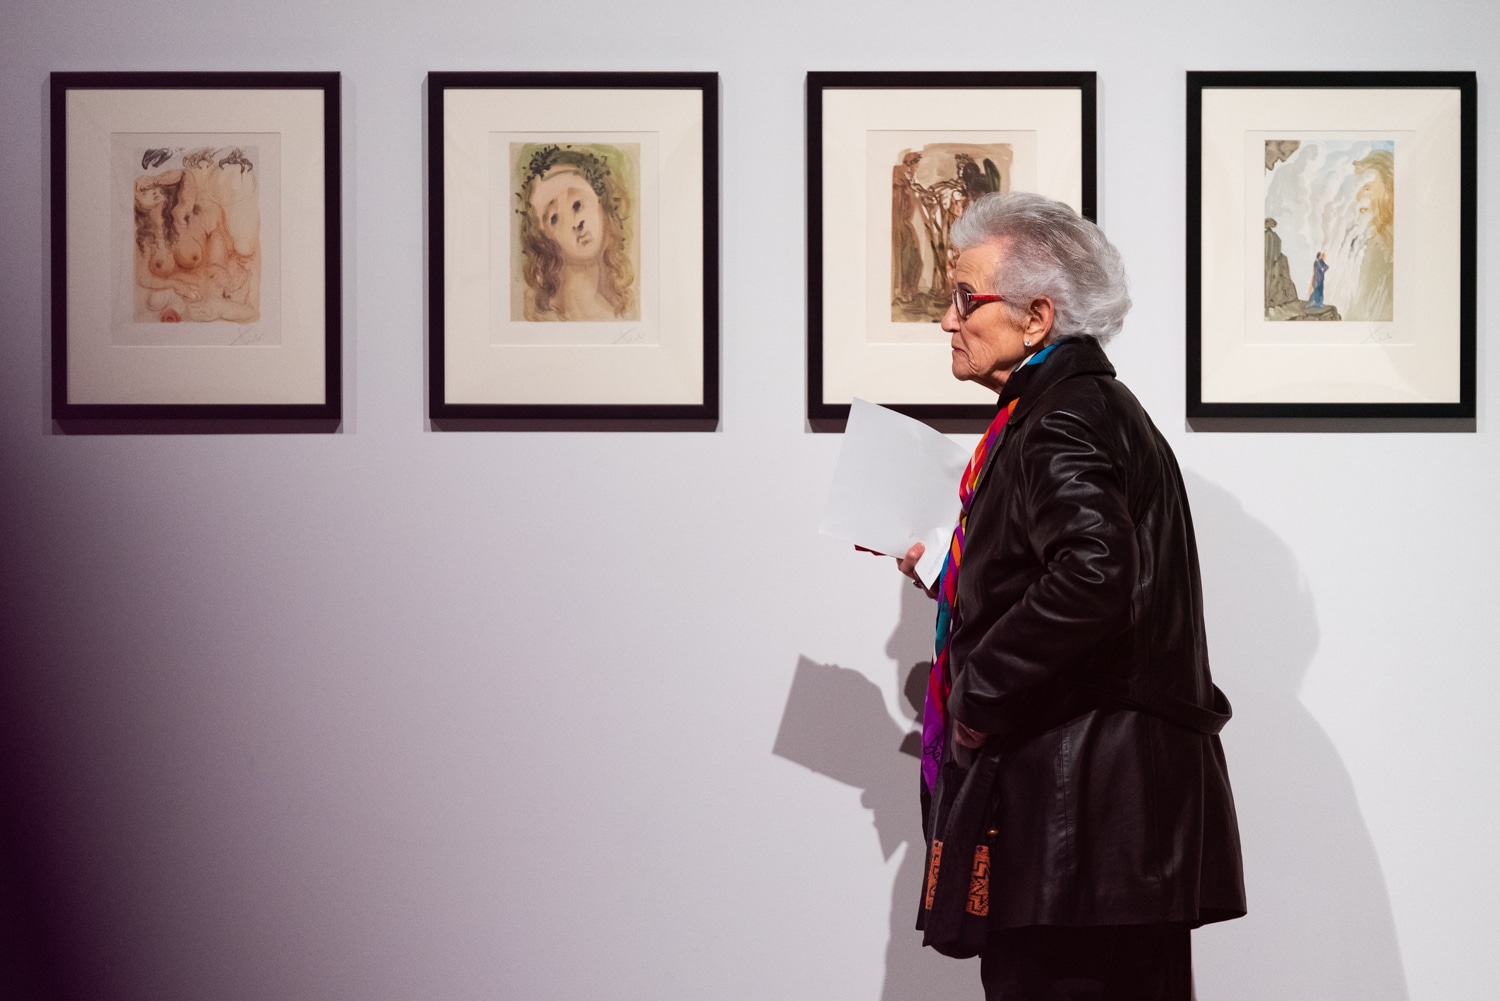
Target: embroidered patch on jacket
x=979, y=883
x=932, y=872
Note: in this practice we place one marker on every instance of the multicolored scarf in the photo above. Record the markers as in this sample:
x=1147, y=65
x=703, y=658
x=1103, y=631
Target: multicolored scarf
x=940, y=679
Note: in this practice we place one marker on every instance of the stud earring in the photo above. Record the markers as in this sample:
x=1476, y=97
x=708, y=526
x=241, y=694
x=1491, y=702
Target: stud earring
x=1028, y=344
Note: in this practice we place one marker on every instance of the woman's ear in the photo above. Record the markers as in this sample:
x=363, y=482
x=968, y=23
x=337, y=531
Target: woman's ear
x=1039, y=319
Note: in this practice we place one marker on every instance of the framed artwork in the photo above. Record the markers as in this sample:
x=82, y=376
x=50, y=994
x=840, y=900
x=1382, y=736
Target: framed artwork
x=1331, y=245
x=573, y=246
x=893, y=159
x=195, y=246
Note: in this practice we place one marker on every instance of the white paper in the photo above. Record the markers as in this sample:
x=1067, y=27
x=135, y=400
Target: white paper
x=895, y=483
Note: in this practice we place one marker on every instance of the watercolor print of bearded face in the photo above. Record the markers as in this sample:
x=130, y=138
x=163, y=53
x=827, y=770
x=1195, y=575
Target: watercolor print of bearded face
x=579, y=249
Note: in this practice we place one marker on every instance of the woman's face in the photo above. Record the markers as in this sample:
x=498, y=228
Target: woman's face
x=990, y=343
x=568, y=211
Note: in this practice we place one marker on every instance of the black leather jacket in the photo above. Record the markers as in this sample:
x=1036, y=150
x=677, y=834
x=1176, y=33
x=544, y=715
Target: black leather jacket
x=1080, y=592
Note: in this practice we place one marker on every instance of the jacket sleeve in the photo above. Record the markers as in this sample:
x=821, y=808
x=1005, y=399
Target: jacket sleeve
x=1078, y=523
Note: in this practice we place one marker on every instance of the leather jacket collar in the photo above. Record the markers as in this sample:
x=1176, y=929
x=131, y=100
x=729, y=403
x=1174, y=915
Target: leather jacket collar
x=1072, y=356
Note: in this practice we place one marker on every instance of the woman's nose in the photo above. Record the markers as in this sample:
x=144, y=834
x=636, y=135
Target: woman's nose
x=950, y=319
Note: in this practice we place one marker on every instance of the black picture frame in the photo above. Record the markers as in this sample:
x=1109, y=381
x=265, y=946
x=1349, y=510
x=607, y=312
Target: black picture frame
x=101, y=379
x=1236, y=374
x=993, y=102
x=478, y=383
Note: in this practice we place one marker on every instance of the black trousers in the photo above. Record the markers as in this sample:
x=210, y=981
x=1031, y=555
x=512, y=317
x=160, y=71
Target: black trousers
x=1106, y=963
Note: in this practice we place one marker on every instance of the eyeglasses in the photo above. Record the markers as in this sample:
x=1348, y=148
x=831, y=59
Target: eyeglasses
x=966, y=302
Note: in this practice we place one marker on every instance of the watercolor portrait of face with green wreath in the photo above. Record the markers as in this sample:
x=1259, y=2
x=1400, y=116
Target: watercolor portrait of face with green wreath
x=576, y=243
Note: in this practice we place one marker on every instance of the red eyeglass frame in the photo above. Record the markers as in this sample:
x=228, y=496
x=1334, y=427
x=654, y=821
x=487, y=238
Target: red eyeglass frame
x=965, y=302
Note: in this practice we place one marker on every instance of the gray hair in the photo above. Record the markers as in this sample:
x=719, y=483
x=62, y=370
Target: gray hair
x=1051, y=251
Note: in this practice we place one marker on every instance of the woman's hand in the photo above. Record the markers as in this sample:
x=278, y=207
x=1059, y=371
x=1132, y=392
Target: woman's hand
x=908, y=565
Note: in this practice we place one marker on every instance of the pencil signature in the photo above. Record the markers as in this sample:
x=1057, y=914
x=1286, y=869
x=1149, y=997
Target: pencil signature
x=252, y=335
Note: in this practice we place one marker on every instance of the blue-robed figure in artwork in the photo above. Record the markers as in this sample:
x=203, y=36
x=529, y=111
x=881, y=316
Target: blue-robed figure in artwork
x=1315, y=290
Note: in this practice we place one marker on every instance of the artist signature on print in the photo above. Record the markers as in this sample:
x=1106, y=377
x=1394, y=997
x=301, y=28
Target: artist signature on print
x=254, y=335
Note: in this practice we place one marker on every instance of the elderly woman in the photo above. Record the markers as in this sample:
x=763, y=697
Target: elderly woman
x=1079, y=815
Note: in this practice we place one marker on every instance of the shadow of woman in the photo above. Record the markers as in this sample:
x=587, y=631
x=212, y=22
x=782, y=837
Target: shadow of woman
x=1320, y=924
x=836, y=723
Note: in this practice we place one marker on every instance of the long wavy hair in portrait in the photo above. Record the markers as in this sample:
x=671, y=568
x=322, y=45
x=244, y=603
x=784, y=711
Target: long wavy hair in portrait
x=577, y=239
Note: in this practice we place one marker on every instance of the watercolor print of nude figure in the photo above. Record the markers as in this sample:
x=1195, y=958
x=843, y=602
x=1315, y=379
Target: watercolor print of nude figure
x=197, y=236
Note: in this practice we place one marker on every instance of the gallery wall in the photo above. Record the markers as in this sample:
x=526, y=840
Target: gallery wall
x=399, y=712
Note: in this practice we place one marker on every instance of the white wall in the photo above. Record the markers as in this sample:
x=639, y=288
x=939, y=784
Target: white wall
x=394, y=713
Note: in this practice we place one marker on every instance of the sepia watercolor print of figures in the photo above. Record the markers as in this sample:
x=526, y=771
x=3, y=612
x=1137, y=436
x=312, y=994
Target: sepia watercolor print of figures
x=1330, y=229
x=576, y=245
x=197, y=253
x=930, y=188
